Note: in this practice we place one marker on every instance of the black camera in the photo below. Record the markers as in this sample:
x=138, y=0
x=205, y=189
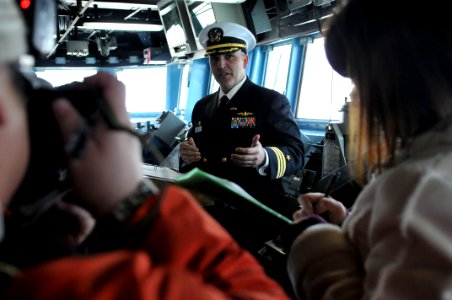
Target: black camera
x=46, y=171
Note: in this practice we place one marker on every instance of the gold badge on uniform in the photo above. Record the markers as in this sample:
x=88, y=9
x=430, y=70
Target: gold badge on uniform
x=243, y=120
x=244, y=114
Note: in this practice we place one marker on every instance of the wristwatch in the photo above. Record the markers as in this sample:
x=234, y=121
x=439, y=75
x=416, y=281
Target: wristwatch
x=128, y=205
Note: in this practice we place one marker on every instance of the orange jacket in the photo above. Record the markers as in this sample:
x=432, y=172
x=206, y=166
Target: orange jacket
x=185, y=255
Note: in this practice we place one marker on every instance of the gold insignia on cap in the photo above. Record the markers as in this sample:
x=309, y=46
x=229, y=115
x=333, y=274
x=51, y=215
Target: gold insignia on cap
x=215, y=34
x=222, y=38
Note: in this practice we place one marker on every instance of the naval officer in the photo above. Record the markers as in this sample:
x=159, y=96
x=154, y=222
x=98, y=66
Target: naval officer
x=243, y=132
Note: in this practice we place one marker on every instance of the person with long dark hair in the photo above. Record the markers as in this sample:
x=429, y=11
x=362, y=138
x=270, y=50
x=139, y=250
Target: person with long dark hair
x=395, y=242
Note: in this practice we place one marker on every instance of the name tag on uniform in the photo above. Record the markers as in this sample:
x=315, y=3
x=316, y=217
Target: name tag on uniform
x=198, y=129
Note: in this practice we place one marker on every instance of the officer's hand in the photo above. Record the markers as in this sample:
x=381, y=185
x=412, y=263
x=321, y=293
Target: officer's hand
x=109, y=167
x=189, y=152
x=250, y=157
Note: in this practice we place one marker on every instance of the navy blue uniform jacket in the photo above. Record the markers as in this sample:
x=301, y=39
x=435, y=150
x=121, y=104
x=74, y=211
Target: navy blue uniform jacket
x=253, y=110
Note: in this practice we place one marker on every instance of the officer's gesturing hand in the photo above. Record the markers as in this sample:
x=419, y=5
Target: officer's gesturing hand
x=249, y=157
x=189, y=152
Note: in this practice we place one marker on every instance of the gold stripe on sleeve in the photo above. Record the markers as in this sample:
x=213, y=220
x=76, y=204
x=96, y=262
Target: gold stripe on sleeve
x=281, y=162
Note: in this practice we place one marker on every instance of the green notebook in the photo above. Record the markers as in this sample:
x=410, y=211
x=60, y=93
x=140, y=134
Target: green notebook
x=220, y=189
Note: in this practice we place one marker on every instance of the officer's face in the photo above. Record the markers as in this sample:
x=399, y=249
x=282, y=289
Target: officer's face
x=228, y=69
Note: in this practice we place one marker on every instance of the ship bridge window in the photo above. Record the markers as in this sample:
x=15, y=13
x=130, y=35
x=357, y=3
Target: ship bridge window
x=183, y=94
x=58, y=77
x=145, y=89
x=277, y=68
x=323, y=91
x=213, y=85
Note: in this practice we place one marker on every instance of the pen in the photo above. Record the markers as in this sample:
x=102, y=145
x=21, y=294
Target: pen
x=328, y=189
x=331, y=183
x=329, y=186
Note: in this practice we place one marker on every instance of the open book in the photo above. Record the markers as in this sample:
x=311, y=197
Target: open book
x=219, y=189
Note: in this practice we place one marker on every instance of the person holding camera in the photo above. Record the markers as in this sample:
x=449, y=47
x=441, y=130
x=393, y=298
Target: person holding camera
x=158, y=244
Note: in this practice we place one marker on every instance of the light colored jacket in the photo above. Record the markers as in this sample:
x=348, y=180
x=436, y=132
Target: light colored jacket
x=402, y=224
x=399, y=231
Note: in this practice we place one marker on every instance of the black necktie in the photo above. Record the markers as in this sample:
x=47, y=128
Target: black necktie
x=223, y=100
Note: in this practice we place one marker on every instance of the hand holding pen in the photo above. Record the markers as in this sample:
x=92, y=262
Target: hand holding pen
x=322, y=204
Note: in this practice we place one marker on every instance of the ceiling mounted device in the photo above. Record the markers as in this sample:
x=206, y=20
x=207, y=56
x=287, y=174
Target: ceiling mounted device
x=121, y=26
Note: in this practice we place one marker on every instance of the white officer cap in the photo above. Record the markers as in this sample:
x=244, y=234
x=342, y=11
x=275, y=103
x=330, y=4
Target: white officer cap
x=13, y=43
x=223, y=37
